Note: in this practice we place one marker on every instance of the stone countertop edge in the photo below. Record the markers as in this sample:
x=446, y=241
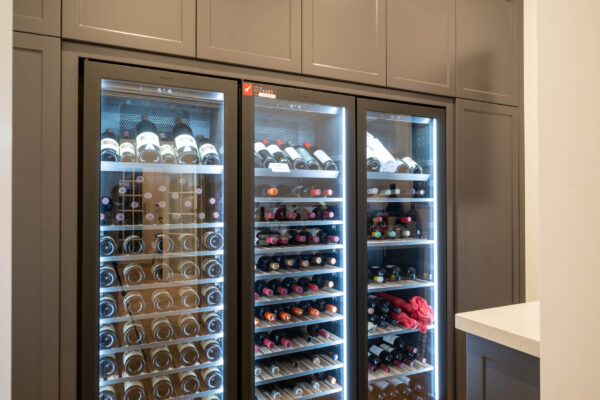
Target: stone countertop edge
x=516, y=326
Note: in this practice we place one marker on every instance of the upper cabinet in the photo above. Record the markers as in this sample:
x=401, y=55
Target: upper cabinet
x=258, y=33
x=344, y=39
x=37, y=16
x=420, y=45
x=488, y=46
x=153, y=25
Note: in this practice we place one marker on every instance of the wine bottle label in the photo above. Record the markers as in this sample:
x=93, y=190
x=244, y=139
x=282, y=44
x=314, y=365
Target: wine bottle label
x=212, y=349
x=206, y=149
x=134, y=390
x=109, y=144
x=161, y=357
x=212, y=377
x=188, y=354
x=133, y=362
x=322, y=156
x=126, y=148
x=166, y=150
x=147, y=139
x=107, y=393
x=274, y=149
x=294, y=155
x=388, y=162
x=390, y=339
x=259, y=146
x=189, y=382
x=133, y=333
x=375, y=350
x=188, y=325
x=185, y=140
x=161, y=387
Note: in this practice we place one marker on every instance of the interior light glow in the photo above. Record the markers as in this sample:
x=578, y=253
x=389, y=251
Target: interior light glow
x=436, y=264
x=346, y=217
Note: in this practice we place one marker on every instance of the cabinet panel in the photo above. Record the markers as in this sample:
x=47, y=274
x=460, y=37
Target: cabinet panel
x=344, y=39
x=488, y=48
x=260, y=33
x=36, y=206
x=154, y=25
x=420, y=46
x=37, y=16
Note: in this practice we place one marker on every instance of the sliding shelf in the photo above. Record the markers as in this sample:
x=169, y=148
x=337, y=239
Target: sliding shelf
x=137, y=317
x=298, y=199
x=326, y=389
x=297, y=248
x=398, y=285
x=287, y=272
x=324, y=316
x=296, y=223
x=150, y=345
x=398, y=200
x=109, y=166
x=153, y=256
x=322, y=293
x=296, y=173
x=158, y=285
x=405, y=370
x=198, y=395
x=391, y=176
x=287, y=371
x=124, y=376
x=398, y=243
x=393, y=330
x=298, y=345
x=160, y=227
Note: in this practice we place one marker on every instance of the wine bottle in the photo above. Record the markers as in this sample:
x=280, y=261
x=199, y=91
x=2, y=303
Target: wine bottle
x=211, y=268
x=126, y=149
x=262, y=289
x=377, y=149
x=310, y=161
x=276, y=153
x=285, y=261
x=108, y=246
x=376, y=274
x=306, y=284
x=326, y=162
x=188, y=354
x=290, y=285
x=212, y=322
x=185, y=143
x=107, y=393
x=188, y=297
x=146, y=140
x=107, y=336
x=265, y=314
x=211, y=295
x=293, y=156
x=133, y=390
x=134, y=362
x=134, y=302
x=161, y=358
x=207, y=152
x=108, y=275
x=373, y=163
x=212, y=377
x=133, y=333
x=162, y=329
x=324, y=305
x=276, y=287
x=167, y=154
x=189, y=326
x=267, y=158
x=108, y=365
x=109, y=147
x=295, y=310
x=211, y=349
x=188, y=382
x=413, y=166
x=162, y=388
x=279, y=338
x=383, y=355
x=162, y=272
x=133, y=244
x=133, y=274
x=376, y=363
x=108, y=306
x=212, y=240
x=258, y=161
x=266, y=190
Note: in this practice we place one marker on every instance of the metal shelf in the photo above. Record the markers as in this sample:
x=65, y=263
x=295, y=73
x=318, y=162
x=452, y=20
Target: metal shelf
x=298, y=199
x=296, y=173
x=405, y=370
x=298, y=345
x=325, y=316
x=147, y=375
x=399, y=200
x=295, y=297
x=398, y=285
x=109, y=166
x=398, y=243
x=153, y=256
x=297, y=223
x=160, y=314
x=391, y=176
x=286, y=394
x=158, y=285
x=198, y=394
x=296, y=248
x=393, y=330
x=287, y=370
x=160, y=227
x=150, y=345
x=287, y=272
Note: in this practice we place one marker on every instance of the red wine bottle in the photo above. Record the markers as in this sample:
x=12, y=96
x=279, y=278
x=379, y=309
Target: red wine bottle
x=326, y=162
x=293, y=156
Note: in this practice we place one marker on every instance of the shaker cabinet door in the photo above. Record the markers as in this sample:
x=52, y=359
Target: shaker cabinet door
x=344, y=39
x=420, y=46
x=489, y=36
x=258, y=33
x=36, y=222
x=37, y=16
x=152, y=25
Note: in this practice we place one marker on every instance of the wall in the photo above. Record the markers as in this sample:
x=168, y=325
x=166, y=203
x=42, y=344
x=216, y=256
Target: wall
x=569, y=126
x=6, y=198
x=532, y=171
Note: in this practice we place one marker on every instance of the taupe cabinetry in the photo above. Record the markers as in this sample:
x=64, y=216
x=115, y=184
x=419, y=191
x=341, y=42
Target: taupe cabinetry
x=37, y=16
x=259, y=33
x=154, y=25
x=420, y=46
x=344, y=39
x=36, y=222
x=489, y=38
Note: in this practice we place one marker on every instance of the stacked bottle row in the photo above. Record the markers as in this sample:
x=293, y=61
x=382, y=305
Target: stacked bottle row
x=304, y=156
x=400, y=388
x=147, y=145
x=380, y=159
x=312, y=385
x=394, y=223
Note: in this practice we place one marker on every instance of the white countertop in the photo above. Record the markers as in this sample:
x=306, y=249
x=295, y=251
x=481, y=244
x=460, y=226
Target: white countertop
x=516, y=326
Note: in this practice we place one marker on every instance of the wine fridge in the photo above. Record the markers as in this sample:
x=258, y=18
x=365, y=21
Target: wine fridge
x=400, y=250
x=158, y=248
x=297, y=264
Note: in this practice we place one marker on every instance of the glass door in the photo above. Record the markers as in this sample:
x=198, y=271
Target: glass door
x=298, y=267
x=400, y=252
x=159, y=149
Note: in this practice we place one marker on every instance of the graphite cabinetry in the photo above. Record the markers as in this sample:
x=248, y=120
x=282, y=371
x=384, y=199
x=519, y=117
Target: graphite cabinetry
x=36, y=212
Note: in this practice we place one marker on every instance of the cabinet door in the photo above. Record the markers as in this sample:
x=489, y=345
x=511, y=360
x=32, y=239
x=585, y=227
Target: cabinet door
x=420, y=46
x=488, y=50
x=37, y=16
x=154, y=25
x=259, y=33
x=36, y=208
x=344, y=39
